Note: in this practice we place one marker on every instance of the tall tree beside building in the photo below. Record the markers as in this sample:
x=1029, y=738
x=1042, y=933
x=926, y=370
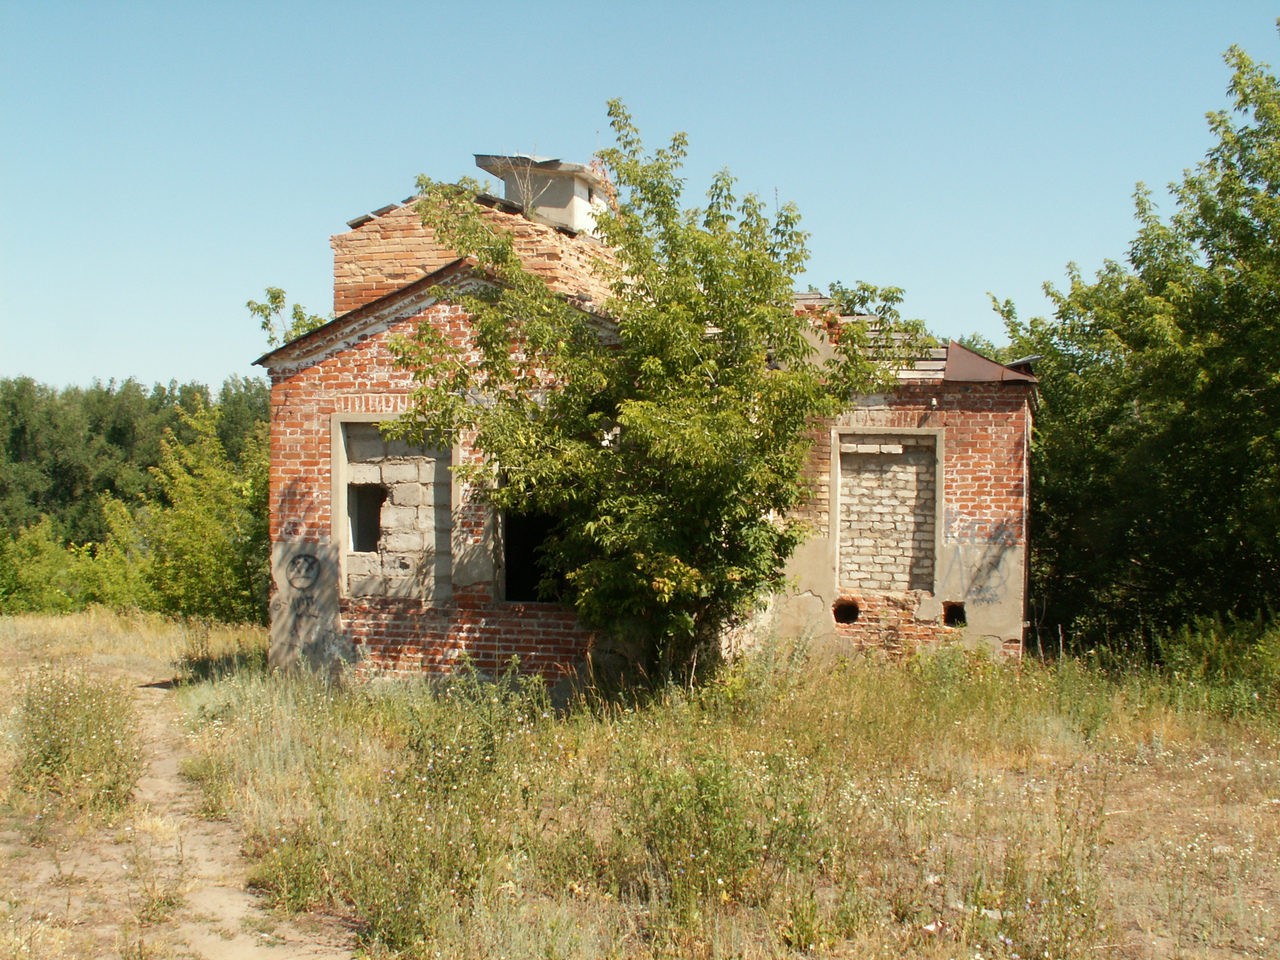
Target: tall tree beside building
x=1157, y=453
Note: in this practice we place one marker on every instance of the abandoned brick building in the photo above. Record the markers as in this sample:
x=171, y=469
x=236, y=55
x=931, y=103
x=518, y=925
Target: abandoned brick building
x=382, y=558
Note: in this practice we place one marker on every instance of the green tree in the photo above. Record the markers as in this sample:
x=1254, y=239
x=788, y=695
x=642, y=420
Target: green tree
x=1157, y=447
x=99, y=486
x=272, y=315
x=41, y=574
x=63, y=451
x=244, y=407
x=38, y=573
x=669, y=450
x=981, y=344
x=205, y=545
x=44, y=465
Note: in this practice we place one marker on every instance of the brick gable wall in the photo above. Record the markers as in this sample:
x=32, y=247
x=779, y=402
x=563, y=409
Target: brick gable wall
x=388, y=252
x=397, y=634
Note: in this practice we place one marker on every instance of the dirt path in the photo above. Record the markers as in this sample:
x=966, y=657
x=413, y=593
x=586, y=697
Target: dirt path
x=162, y=882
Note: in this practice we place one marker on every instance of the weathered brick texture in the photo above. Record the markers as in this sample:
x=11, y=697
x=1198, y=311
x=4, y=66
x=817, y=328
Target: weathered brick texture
x=354, y=374
x=987, y=427
x=885, y=536
x=395, y=249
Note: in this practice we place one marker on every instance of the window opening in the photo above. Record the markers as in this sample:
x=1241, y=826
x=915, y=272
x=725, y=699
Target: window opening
x=953, y=615
x=846, y=611
x=394, y=514
x=523, y=537
x=364, y=508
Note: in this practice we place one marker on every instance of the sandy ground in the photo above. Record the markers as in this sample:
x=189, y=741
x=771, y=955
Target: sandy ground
x=160, y=882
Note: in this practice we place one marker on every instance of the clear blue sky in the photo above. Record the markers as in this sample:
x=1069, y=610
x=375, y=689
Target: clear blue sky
x=161, y=163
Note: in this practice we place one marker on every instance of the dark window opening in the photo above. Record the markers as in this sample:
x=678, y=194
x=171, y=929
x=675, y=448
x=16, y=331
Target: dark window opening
x=523, y=537
x=846, y=611
x=953, y=615
x=364, y=509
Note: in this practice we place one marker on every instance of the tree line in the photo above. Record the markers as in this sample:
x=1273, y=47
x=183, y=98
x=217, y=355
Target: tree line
x=131, y=497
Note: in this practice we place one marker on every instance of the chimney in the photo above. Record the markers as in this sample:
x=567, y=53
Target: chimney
x=549, y=191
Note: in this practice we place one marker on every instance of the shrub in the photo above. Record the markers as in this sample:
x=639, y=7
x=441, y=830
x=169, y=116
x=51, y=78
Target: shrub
x=1228, y=666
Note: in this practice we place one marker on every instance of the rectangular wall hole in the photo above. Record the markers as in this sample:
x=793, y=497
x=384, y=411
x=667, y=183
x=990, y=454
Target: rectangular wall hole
x=364, y=508
x=394, y=512
x=522, y=540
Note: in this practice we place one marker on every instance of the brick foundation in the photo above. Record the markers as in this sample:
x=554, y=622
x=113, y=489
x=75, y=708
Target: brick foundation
x=406, y=637
x=887, y=623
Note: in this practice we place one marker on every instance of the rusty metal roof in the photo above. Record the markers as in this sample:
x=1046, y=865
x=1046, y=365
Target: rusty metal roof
x=953, y=363
x=969, y=366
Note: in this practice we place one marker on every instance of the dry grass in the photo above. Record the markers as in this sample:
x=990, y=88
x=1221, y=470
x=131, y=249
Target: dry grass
x=76, y=743
x=942, y=809
x=86, y=870
x=948, y=808
x=139, y=644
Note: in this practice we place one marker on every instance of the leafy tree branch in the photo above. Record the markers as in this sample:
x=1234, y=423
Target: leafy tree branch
x=1157, y=453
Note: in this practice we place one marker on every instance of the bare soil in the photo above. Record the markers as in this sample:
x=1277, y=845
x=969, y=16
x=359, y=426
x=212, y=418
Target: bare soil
x=159, y=882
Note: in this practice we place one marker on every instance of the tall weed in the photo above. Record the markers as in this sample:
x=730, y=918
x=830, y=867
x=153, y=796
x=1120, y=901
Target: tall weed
x=211, y=651
x=1226, y=666
x=77, y=740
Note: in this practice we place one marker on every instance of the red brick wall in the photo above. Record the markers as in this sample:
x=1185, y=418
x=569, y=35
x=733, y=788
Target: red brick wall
x=398, y=635
x=410, y=637
x=381, y=256
x=388, y=252
x=984, y=493
x=983, y=482
x=983, y=458
x=889, y=623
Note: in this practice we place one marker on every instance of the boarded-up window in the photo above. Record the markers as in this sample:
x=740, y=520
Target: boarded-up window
x=398, y=517
x=888, y=513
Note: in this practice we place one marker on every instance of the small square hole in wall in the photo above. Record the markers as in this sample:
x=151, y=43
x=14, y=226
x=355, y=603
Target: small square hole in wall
x=846, y=611
x=953, y=614
x=364, y=509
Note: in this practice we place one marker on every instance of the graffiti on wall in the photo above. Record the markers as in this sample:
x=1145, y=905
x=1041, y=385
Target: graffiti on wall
x=978, y=569
x=305, y=625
